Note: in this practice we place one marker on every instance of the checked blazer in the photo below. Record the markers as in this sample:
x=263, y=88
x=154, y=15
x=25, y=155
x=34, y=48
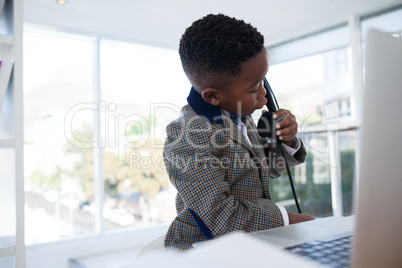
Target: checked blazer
x=222, y=181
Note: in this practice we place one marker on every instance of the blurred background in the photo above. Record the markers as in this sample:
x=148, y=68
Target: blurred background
x=102, y=79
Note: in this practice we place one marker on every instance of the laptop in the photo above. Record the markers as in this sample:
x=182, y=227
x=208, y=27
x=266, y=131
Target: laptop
x=374, y=235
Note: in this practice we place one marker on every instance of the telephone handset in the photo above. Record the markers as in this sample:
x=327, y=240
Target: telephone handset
x=266, y=123
x=266, y=129
x=272, y=104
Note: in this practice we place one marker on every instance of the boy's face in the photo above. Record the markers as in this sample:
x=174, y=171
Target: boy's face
x=246, y=92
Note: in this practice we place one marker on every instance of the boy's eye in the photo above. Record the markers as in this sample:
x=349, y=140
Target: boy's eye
x=257, y=88
x=254, y=91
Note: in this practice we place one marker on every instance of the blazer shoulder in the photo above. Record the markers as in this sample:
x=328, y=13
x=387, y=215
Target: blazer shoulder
x=190, y=128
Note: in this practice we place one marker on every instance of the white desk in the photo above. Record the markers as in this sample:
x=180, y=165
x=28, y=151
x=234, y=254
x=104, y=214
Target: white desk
x=307, y=231
x=248, y=250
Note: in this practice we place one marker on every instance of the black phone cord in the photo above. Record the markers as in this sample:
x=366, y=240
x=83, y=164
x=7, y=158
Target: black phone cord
x=290, y=177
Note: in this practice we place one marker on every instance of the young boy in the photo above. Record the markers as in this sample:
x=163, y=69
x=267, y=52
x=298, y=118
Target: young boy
x=218, y=163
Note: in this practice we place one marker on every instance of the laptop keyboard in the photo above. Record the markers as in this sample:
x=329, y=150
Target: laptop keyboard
x=333, y=252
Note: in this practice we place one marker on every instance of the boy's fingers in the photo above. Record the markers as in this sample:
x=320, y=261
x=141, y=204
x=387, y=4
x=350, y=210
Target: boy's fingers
x=289, y=136
x=287, y=121
x=281, y=112
x=287, y=127
x=277, y=114
x=287, y=133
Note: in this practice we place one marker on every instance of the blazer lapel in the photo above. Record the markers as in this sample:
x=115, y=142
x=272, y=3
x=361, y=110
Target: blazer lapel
x=254, y=137
x=255, y=140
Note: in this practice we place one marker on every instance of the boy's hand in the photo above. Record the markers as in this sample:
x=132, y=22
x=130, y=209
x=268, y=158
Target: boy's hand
x=297, y=217
x=286, y=128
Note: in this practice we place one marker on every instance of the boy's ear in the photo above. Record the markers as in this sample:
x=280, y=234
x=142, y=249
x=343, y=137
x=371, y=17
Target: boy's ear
x=211, y=95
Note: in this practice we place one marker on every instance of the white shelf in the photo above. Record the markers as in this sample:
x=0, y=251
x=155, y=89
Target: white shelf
x=12, y=248
x=6, y=39
x=5, y=74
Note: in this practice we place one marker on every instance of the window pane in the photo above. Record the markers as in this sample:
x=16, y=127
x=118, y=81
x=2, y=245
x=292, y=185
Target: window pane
x=318, y=90
x=57, y=122
x=347, y=145
x=327, y=40
x=312, y=181
x=143, y=89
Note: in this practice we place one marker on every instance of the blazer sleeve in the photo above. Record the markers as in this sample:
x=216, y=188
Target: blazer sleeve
x=205, y=191
x=277, y=166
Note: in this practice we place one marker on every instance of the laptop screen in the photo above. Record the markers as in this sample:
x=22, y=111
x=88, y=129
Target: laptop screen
x=379, y=209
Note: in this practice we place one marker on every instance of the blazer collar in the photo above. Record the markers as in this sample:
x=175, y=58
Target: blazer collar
x=203, y=108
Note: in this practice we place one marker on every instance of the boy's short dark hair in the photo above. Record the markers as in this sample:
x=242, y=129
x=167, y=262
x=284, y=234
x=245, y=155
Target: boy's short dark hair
x=213, y=48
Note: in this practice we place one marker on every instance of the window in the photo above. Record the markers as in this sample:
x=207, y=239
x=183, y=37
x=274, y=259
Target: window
x=71, y=122
x=322, y=96
x=318, y=89
x=141, y=90
x=57, y=77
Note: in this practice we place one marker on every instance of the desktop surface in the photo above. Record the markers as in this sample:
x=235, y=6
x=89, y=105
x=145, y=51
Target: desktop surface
x=307, y=231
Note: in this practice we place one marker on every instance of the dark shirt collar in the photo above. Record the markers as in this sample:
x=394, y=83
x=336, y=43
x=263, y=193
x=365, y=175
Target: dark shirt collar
x=202, y=108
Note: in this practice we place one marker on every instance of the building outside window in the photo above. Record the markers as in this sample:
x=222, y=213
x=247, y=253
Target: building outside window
x=319, y=95
x=141, y=97
x=57, y=76
x=141, y=90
